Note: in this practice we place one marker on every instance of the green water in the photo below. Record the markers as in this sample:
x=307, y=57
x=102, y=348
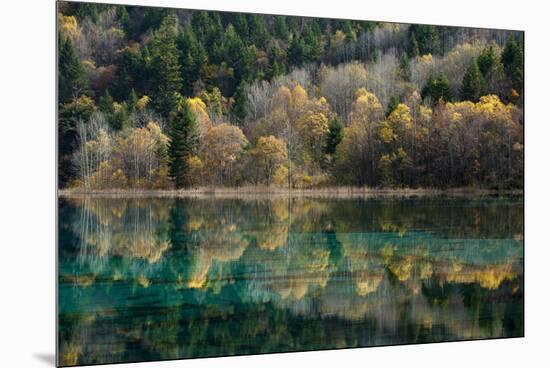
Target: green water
x=150, y=279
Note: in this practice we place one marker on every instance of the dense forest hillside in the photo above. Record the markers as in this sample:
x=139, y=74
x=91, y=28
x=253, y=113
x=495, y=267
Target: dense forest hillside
x=157, y=98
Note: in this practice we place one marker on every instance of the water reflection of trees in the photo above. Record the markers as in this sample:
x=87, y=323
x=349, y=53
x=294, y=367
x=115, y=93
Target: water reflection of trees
x=183, y=278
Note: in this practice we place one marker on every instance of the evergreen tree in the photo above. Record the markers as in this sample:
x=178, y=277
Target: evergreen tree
x=392, y=105
x=153, y=18
x=183, y=140
x=259, y=35
x=85, y=10
x=200, y=23
x=276, y=64
x=512, y=60
x=120, y=119
x=233, y=49
x=314, y=45
x=437, y=88
x=487, y=60
x=131, y=72
x=241, y=27
x=492, y=70
x=335, y=135
x=404, y=68
x=473, y=84
x=345, y=26
x=124, y=19
x=296, y=51
x=248, y=70
x=165, y=67
x=443, y=89
x=105, y=104
x=425, y=38
x=214, y=35
x=239, y=106
x=132, y=100
x=414, y=48
x=280, y=28
x=72, y=79
x=192, y=58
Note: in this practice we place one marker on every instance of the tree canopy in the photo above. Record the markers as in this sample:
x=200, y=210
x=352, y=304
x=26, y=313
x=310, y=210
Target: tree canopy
x=172, y=98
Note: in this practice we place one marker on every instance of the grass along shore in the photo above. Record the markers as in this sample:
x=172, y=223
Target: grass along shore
x=266, y=191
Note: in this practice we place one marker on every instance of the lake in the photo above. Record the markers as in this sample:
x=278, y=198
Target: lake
x=165, y=278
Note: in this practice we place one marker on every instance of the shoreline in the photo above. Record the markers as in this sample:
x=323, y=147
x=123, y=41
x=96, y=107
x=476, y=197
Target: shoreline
x=263, y=192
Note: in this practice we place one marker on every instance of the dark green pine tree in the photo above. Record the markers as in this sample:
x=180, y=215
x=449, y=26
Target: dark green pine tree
x=132, y=100
x=443, y=89
x=345, y=26
x=257, y=27
x=233, y=49
x=281, y=28
x=183, y=135
x=200, y=23
x=487, y=60
x=241, y=27
x=297, y=51
x=214, y=35
x=239, y=106
x=492, y=70
x=392, y=105
x=314, y=45
x=512, y=60
x=105, y=104
x=335, y=135
x=427, y=39
x=131, y=72
x=165, y=67
x=404, y=68
x=72, y=79
x=120, y=119
x=124, y=19
x=437, y=89
x=414, y=48
x=192, y=58
x=276, y=63
x=473, y=84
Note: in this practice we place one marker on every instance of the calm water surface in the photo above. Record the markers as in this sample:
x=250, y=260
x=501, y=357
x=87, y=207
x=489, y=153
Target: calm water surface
x=149, y=279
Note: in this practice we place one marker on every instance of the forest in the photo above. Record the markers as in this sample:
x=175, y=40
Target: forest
x=155, y=98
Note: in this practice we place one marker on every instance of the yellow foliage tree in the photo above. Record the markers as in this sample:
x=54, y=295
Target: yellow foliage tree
x=203, y=120
x=269, y=154
x=143, y=102
x=366, y=108
x=68, y=26
x=222, y=148
x=313, y=128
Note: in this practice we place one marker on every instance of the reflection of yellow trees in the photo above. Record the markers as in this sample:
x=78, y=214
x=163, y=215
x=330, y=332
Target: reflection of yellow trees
x=388, y=226
x=275, y=238
x=275, y=232
x=80, y=280
x=402, y=268
x=291, y=261
x=224, y=245
x=314, y=274
x=122, y=228
x=365, y=265
x=143, y=281
x=140, y=245
x=489, y=277
x=367, y=283
x=194, y=224
x=69, y=353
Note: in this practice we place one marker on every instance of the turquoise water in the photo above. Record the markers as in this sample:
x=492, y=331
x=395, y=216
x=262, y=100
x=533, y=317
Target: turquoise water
x=150, y=279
